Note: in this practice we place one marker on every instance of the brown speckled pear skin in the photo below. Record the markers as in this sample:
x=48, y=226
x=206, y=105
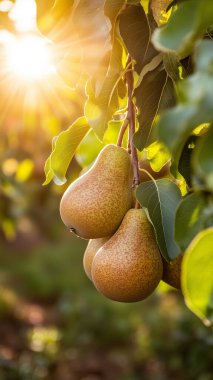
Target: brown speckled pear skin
x=92, y=248
x=94, y=205
x=129, y=266
x=172, y=272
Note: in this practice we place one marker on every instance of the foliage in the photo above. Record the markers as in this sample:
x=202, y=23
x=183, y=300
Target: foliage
x=170, y=46
x=198, y=266
x=161, y=198
x=172, y=96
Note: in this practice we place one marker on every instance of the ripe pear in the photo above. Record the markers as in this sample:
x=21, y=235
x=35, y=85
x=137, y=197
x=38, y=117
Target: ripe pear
x=172, y=272
x=94, y=205
x=128, y=267
x=92, y=248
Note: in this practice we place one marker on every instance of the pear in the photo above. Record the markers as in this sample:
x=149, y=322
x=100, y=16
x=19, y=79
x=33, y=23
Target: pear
x=172, y=272
x=90, y=252
x=128, y=267
x=94, y=205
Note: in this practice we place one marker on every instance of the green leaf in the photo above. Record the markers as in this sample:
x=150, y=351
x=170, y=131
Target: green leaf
x=194, y=214
x=135, y=32
x=158, y=155
x=195, y=95
x=204, y=56
x=88, y=149
x=113, y=8
x=49, y=174
x=184, y=164
x=64, y=147
x=197, y=279
x=173, y=66
x=196, y=107
x=161, y=198
x=101, y=105
x=184, y=27
x=202, y=162
x=152, y=65
x=167, y=99
x=148, y=96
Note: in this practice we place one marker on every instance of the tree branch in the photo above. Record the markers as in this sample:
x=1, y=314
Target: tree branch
x=122, y=131
x=131, y=118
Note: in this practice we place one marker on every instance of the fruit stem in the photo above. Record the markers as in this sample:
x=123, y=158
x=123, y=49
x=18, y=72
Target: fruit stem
x=131, y=118
x=122, y=131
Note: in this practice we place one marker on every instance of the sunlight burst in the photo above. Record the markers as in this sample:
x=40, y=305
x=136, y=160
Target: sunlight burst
x=29, y=58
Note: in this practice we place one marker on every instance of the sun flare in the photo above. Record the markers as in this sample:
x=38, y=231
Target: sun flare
x=29, y=58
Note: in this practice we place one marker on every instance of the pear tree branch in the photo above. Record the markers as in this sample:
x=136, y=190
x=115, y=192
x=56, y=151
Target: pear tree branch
x=131, y=118
x=122, y=131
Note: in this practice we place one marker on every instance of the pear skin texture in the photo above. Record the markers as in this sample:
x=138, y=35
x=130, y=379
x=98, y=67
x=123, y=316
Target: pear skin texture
x=129, y=266
x=172, y=272
x=92, y=248
x=94, y=205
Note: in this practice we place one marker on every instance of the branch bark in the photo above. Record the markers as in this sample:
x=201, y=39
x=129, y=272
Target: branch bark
x=131, y=118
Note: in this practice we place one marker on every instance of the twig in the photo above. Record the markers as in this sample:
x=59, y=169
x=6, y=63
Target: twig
x=131, y=118
x=122, y=131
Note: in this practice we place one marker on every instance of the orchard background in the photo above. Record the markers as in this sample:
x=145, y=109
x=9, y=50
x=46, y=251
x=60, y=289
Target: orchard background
x=63, y=97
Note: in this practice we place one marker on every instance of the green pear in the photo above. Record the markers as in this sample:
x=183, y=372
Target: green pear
x=94, y=205
x=128, y=267
x=92, y=248
x=172, y=272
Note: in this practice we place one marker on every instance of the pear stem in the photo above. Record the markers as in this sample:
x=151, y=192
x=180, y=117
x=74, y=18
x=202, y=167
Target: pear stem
x=131, y=118
x=122, y=131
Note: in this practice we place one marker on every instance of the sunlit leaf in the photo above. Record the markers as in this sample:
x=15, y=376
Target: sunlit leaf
x=158, y=155
x=88, y=149
x=111, y=11
x=161, y=198
x=159, y=9
x=145, y=4
x=64, y=148
x=100, y=107
x=51, y=12
x=194, y=213
x=197, y=279
x=49, y=174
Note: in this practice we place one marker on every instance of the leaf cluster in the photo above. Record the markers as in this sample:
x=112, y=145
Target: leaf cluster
x=170, y=43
